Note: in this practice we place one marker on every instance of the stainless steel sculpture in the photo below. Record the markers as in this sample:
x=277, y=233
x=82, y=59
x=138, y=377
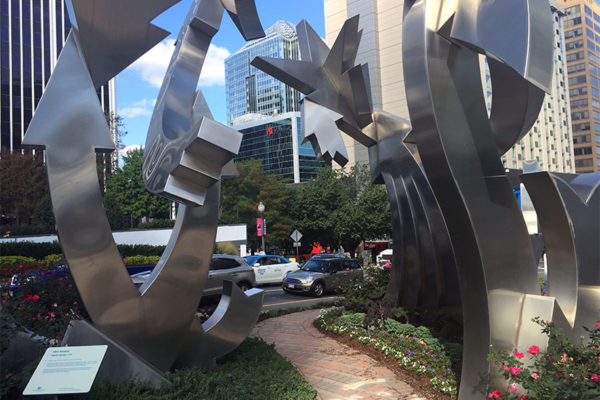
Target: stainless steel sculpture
x=460, y=148
x=569, y=215
x=155, y=321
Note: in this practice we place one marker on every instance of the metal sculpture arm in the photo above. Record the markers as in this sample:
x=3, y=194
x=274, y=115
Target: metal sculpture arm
x=153, y=323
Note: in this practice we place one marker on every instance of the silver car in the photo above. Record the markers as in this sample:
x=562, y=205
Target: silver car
x=222, y=267
x=319, y=275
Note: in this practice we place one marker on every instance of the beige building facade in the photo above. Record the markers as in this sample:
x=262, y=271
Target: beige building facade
x=381, y=48
x=582, y=36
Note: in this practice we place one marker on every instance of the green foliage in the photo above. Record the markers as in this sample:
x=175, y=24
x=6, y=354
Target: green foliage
x=341, y=208
x=413, y=347
x=17, y=260
x=241, y=196
x=227, y=248
x=126, y=188
x=30, y=249
x=253, y=371
x=365, y=295
x=567, y=371
x=51, y=259
x=141, y=260
x=129, y=250
x=355, y=319
x=157, y=224
x=24, y=184
x=43, y=216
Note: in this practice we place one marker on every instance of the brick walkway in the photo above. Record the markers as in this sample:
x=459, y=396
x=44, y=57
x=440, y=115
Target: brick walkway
x=336, y=371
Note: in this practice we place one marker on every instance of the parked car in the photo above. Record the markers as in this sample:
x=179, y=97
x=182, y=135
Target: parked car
x=270, y=268
x=319, y=275
x=327, y=255
x=222, y=267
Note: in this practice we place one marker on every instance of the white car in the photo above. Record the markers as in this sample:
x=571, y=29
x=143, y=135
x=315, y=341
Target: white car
x=269, y=268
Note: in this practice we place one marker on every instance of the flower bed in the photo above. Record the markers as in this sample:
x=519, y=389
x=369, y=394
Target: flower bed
x=418, y=352
x=567, y=370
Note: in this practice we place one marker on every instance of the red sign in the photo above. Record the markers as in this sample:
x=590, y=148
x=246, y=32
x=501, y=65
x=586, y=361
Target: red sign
x=258, y=227
x=270, y=130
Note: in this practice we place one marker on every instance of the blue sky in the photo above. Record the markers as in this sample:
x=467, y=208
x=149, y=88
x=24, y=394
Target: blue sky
x=138, y=85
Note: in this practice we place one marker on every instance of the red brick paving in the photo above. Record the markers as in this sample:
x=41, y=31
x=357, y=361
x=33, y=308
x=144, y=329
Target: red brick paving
x=336, y=371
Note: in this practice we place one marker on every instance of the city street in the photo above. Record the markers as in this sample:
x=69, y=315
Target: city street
x=276, y=299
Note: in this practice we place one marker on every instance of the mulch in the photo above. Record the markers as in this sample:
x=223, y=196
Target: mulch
x=420, y=383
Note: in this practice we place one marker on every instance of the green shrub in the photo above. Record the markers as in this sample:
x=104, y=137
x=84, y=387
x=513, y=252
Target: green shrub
x=17, y=260
x=399, y=329
x=356, y=319
x=30, y=249
x=567, y=370
x=51, y=259
x=366, y=294
x=141, y=260
x=128, y=250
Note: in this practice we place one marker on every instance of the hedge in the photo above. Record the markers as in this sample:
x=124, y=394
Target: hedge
x=40, y=251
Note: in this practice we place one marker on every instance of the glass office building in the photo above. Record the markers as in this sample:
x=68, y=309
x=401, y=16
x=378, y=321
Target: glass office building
x=32, y=35
x=251, y=91
x=276, y=140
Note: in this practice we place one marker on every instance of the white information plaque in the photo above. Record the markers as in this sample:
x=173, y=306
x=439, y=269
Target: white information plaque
x=66, y=370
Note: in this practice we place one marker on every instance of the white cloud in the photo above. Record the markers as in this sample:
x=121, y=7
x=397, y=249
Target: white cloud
x=123, y=152
x=139, y=108
x=152, y=66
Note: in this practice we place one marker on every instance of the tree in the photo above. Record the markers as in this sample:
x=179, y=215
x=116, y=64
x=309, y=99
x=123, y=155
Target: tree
x=23, y=184
x=125, y=188
x=241, y=196
x=107, y=163
x=338, y=208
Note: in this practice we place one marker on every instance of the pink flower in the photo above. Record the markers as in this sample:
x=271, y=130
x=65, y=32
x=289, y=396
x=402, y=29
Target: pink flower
x=35, y=297
x=495, y=394
x=523, y=398
x=513, y=387
x=533, y=350
x=54, y=305
x=563, y=357
x=518, y=355
x=534, y=375
x=597, y=324
x=515, y=370
x=3, y=301
x=595, y=378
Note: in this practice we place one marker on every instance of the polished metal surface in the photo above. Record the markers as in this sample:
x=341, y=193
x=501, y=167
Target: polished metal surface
x=185, y=151
x=114, y=33
x=569, y=215
x=119, y=361
x=328, y=77
x=154, y=321
x=424, y=271
x=228, y=326
x=320, y=129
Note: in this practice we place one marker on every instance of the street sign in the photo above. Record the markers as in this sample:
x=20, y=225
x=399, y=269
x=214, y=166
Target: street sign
x=297, y=244
x=296, y=236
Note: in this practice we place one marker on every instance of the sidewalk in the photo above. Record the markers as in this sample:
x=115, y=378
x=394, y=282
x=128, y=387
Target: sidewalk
x=336, y=371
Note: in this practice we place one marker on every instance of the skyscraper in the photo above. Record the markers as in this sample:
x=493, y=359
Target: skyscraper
x=277, y=141
x=251, y=91
x=582, y=36
x=550, y=140
x=32, y=35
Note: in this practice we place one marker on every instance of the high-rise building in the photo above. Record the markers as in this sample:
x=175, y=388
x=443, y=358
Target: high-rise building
x=33, y=33
x=550, y=140
x=381, y=48
x=277, y=141
x=582, y=37
x=251, y=91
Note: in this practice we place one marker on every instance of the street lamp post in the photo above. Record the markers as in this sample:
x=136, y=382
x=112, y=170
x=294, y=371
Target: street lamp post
x=261, y=210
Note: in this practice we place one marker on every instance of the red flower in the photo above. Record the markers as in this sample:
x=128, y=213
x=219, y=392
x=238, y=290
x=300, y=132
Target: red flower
x=534, y=375
x=519, y=355
x=515, y=370
x=595, y=378
x=597, y=324
x=3, y=301
x=35, y=297
x=495, y=394
x=523, y=398
x=533, y=350
x=60, y=279
x=28, y=297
